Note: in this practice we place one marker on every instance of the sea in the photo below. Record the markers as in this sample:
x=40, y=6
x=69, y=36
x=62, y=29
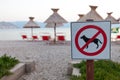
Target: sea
x=15, y=34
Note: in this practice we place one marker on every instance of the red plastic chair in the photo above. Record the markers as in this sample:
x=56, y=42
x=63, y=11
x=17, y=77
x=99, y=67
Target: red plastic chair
x=24, y=37
x=61, y=38
x=45, y=38
x=35, y=37
x=118, y=37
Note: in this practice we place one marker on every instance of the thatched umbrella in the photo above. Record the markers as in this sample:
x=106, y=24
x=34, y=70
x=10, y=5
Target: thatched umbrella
x=118, y=20
x=55, y=20
x=111, y=18
x=92, y=15
x=80, y=16
x=31, y=24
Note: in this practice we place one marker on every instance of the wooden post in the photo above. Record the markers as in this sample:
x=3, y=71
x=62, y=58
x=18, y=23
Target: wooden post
x=90, y=65
x=55, y=33
x=90, y=70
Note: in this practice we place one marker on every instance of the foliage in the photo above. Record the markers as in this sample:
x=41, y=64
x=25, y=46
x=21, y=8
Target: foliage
x=103, y=70
x=6, y=63
x=115, y=30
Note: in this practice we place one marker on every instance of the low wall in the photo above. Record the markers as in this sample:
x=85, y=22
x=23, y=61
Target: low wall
x=20, y=69
x=17, y=72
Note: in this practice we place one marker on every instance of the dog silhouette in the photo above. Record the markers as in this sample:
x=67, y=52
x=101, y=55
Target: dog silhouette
x=96, y=40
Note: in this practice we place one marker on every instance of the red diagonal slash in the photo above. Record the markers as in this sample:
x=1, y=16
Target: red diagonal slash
x=89, y=41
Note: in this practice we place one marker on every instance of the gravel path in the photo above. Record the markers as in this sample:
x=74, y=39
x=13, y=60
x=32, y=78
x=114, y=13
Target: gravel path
x=51, y=60
x=115, y=51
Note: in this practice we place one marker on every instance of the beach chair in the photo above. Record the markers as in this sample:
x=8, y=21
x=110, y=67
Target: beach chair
x=118, y=37
x=24, y=37
x=46, y=38
x=35, y=37
x=61, y=38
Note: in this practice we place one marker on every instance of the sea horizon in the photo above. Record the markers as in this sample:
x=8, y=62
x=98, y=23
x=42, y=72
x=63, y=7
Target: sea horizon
x=20, y=24
x=15, y=34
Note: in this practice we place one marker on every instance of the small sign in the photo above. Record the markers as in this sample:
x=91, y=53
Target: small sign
x=90, y=40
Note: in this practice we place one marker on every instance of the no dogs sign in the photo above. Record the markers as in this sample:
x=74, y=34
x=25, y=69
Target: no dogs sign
x=90, y=40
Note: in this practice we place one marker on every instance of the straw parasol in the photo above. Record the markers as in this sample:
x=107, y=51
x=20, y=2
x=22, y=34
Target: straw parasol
x=118, y=20
x=111, y=18
x=80, y=16
x=55, y=20
x=92, y=15
x=31, y=24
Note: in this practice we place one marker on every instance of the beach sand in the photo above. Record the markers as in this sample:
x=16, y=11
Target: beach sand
x=51, y=60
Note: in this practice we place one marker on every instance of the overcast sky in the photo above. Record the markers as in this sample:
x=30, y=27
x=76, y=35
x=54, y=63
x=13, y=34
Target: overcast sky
x=17, y=10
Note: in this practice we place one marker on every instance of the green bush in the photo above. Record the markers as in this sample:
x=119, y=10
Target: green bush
x=6, y=63
x=103, y=70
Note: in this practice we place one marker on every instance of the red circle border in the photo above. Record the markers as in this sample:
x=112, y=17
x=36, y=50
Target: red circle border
x=89, y=53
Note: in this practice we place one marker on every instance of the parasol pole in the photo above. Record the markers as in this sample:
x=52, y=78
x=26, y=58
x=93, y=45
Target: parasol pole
x=31, y=32
x=55, y=33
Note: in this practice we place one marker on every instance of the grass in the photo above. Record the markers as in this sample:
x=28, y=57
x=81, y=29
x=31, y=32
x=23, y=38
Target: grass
x=6, y=63
x=103, y=70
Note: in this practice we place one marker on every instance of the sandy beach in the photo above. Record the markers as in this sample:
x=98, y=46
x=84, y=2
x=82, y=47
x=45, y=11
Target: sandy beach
x=51, y=60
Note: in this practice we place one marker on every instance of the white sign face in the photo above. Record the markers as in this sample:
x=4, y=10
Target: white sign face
x=91, y=40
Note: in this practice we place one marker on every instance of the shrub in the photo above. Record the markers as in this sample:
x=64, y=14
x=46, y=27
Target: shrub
x=103, y=70
x=6, y=63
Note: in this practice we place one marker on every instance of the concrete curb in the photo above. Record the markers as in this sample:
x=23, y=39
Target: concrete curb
x=72, y=70
x=76, y=72
x=20, y=69
x=17, y=72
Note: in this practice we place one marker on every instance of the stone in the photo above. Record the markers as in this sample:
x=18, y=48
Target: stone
x=69, y=69
x=29, y=66
x=76, y=72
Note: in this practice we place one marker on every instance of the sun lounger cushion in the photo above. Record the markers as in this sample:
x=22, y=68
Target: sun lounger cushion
x=24, y=36
x=118, y=36
x=34, y=37
x=61, y=38
x=45, y=37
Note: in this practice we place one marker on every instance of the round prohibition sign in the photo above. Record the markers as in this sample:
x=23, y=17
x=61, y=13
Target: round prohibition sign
x=81, y=49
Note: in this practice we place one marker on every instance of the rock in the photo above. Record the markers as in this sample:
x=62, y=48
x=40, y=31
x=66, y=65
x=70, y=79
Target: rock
x=29, y=66
x=70, y=69
x=76, y=72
